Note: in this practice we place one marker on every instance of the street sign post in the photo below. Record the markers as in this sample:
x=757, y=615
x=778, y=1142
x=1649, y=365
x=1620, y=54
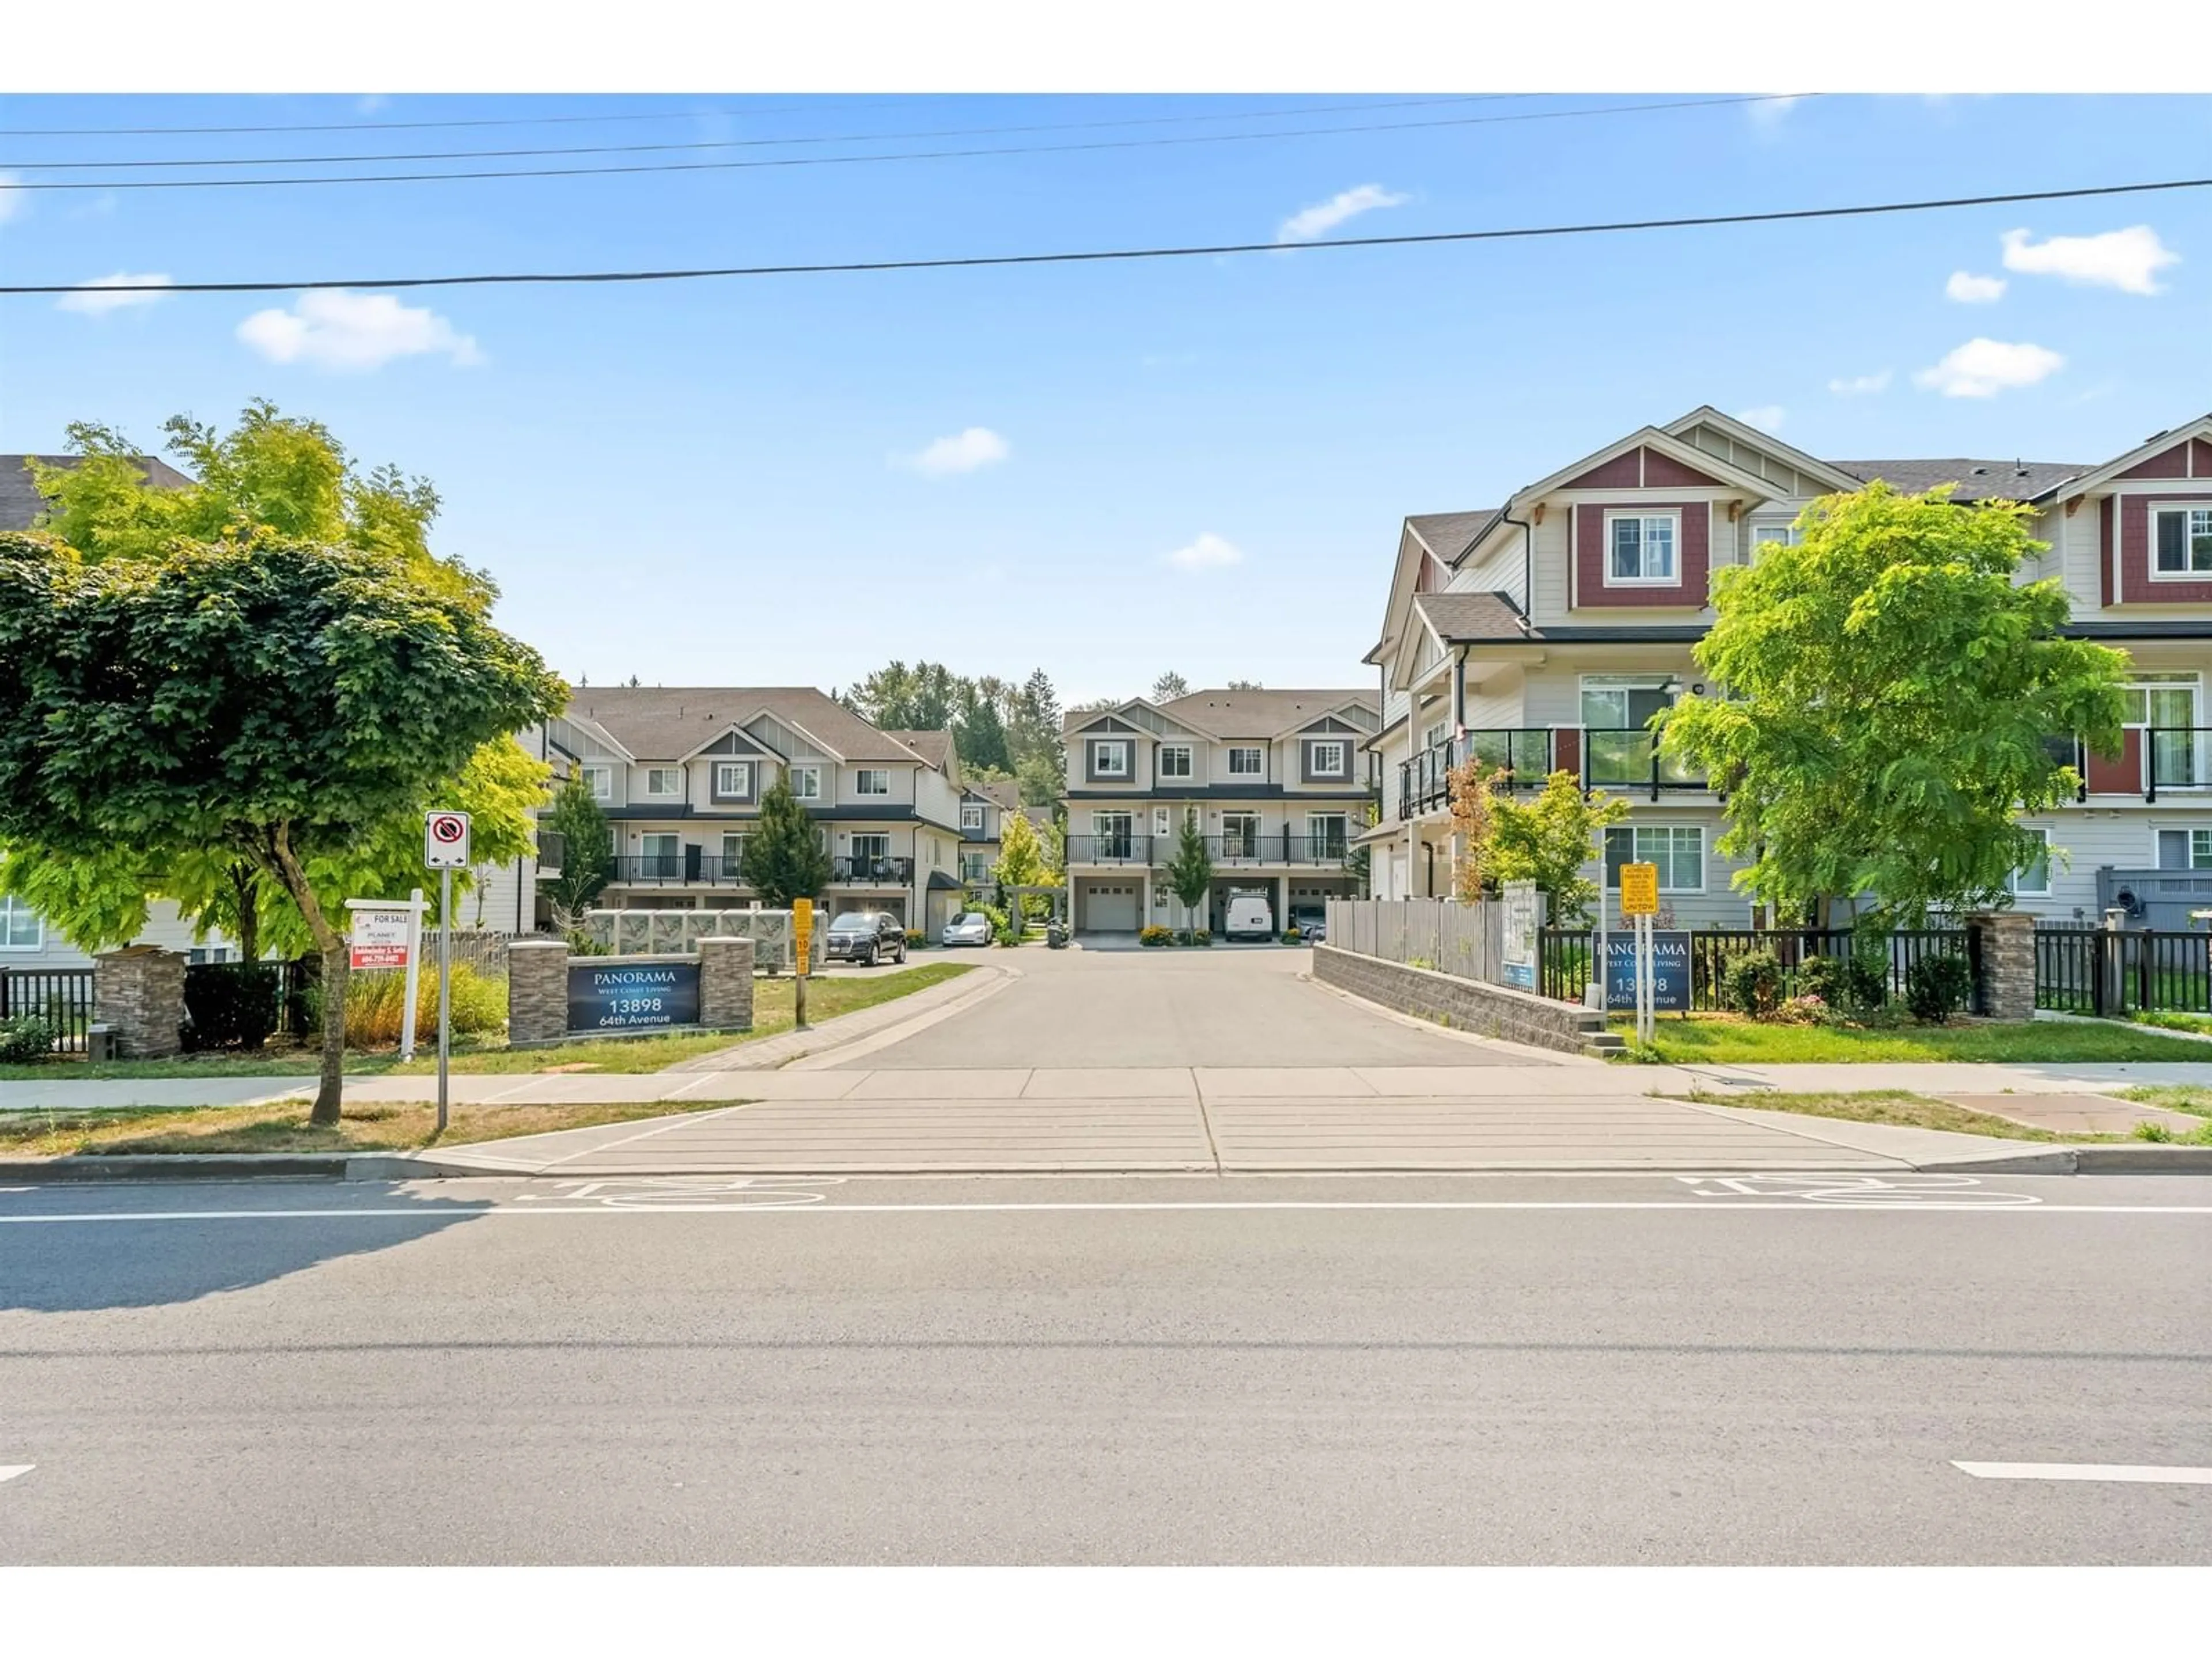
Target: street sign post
x=390, y=935
x=1639, y=900
x=802, y=965
x=445, y=850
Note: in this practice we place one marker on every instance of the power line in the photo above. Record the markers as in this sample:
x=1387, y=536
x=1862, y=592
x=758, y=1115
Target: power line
x=748, y=144
x=1100, y=256
x=903, y=155
x=398, y=126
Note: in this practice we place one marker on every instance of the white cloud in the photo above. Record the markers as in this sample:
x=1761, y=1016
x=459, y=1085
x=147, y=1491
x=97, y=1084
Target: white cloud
x=1982, y=368
x=1325, y=216
x=1767, y=417
x=1769, y=112
x=1861, y=386
x=14, y=203
x=97, y=298
x=371, y=103
x=963, y=452
x=1969, y=289
x=2128, y=259
x=338, y=329
x=1208, y=552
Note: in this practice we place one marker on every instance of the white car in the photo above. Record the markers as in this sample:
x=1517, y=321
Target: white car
x=1250, y=917
x=968, y=927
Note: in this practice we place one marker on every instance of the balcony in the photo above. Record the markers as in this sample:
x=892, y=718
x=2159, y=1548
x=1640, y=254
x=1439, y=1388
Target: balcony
x=552, y=847
x=866, y=872
x=1523, y=754
x=1298, y=847
x=1627, y=758
x=2173, y=760
x=1124, y=847
x=687, y=869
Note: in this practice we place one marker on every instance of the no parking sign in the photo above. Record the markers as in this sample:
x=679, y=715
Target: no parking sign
x=446, y=841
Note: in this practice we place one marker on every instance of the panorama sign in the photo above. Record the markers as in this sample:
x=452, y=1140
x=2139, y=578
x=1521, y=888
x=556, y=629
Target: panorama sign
x=633, y=996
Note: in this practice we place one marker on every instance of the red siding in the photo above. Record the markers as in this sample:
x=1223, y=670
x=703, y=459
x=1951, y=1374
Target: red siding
x=1567, y=749
x=1665, y=472
x=2167, y=464
x=1621, y=472
x=2104, y=548
x=2136, y=583
x=2120, y=776
x=2200, y=465
x=1589, y=588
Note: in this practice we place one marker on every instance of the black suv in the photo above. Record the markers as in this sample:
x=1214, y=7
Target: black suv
x=867, y=937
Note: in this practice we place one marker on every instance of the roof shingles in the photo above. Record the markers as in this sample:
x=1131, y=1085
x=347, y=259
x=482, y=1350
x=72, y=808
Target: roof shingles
x=660, y=723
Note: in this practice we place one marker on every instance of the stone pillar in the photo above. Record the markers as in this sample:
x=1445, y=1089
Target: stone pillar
x=536, y=991
x=2005, y=988
x=140, y=992
x=726, y=982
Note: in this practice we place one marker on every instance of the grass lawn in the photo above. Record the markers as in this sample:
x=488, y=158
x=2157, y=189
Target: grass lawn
x=1897, y=1106
x=283, y=1128
x=2200, y=1024
x=1724, y=1038
x=828, y=997
x=2174, y=1096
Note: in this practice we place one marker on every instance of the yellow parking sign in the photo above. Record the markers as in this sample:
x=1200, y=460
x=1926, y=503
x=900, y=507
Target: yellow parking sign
x=1640, y=890
x=802, y=936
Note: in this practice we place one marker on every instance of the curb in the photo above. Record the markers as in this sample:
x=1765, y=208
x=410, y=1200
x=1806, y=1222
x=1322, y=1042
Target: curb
x=178, y=1166
x=2148, y=1158
x=767, y=1055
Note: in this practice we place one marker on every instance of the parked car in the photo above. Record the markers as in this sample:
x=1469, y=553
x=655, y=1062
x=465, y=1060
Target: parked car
x=1249, y=916
x=867, y=937
x=1312, y=922
x=968, y=927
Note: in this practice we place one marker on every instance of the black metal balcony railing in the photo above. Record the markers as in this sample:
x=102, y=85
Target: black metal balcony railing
x=1627, y=758
x=688, y=869
x=893, y=871
x=1524, y=753
x=1123, y=847
x=2177, y=757
x=1233, y=847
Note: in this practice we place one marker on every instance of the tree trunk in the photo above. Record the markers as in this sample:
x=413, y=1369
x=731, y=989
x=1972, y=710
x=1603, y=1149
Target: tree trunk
x=245, y=886
x=330, y=1085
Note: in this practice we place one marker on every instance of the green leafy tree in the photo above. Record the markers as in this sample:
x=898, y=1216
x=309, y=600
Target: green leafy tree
x=1892, y=693
x=1169, y=686
x=1190, y=870
x=1021, y=854
x=1549, y=839
x=979, y=737
x=588, y=857
x=278, y=705
x=1042, y=778
x=784, y=859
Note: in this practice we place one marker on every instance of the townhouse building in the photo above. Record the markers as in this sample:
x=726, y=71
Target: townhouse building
x=679, y=772
x=985, y=806
x=1279, y=783
x=1545, y=633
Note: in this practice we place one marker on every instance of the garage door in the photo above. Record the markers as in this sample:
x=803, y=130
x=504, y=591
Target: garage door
x=1111, y=907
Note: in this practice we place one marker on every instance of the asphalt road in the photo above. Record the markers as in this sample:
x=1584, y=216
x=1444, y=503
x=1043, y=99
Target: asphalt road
x=1630, y=1370
x=1225, y=1006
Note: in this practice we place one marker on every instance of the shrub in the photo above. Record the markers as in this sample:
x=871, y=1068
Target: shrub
x=916, y=938
x=1291, y=934
x=1751, y=984
x=1153, y=935
x=1801, y=1011
x=230, y=1005
x=26, y=1038
x=1937, y=987
x=1822, y=977
x=1200, y=936
x=1183, y=936
x=376, y=1002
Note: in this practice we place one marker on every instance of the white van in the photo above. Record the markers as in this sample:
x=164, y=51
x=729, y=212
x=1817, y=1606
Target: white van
x=1249, y=916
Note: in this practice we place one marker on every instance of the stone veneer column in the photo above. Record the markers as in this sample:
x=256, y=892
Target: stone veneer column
x=2005, y=988
x=537, y=991
x=726, y=982
x=140, y=992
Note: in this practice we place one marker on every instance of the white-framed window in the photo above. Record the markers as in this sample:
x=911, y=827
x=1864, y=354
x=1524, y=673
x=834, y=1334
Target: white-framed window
x=971, y=815
x=871, y=781
x=1640, y=547
x=664, y=782
x=871, y=847
x=1109, y=760
x=1161, y=821
x=1247, y=762
x=1327, y=834
x=733, y=854
x=1326, y=759
x=600, y=781
x=1175, y=760
x=1763, y=531
x=1625, y=702
x=21, y=926
x=1679, y=850
x=2181, y=542
x=734, y=777
x=2033, y=879
x=2184, y=849
x=806, y=782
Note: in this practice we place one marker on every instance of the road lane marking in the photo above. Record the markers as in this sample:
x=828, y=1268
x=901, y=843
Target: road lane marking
x=9, y=1471
x=2147, y=1472
x=1858, y=1190
x=460, y=1211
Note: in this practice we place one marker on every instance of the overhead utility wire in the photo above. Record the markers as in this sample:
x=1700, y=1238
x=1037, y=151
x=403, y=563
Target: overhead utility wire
x=852, y=161
x=401, y=126
x=1102, y=256
x=746, y=143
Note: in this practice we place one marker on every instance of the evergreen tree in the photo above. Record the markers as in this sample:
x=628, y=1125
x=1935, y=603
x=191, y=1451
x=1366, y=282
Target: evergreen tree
x=588, y=858
x=1169, y=686
x=980, y=739
x=784, y=859
x=1190, y=872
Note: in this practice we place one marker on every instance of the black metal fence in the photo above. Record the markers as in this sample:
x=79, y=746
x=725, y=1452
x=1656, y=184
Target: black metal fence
x=61, y=996
x=1565, y=956
x=2094, y=970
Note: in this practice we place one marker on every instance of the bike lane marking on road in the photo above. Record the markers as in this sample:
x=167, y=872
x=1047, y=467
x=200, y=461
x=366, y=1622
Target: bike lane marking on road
x=2151, y=1473
x=9, y=1471
x=1881, y=1191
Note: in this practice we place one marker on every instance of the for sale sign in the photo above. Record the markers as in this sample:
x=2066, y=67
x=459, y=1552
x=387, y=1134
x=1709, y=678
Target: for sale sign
x=379, y=937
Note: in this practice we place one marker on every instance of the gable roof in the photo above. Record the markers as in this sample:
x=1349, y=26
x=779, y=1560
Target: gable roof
x=1977, y=481
x=1450, y=535
x=21, y=504
x=1006, y=793
x=1262, y=714
x=2158, y=443
x=1460, y=617
x=935, y=747
x=662, y=723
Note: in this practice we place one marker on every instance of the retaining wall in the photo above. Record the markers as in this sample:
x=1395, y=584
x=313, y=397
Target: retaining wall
x=1466, y=1005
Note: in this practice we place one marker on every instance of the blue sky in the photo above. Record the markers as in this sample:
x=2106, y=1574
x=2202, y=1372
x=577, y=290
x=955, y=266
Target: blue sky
x=724, y=482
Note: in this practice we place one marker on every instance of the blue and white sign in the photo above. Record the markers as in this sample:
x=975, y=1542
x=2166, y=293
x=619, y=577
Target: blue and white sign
x=1518, y=957
x=1670, y=972
x=633, y=996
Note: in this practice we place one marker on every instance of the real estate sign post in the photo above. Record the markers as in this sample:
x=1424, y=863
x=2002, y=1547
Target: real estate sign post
x=1639, y=901
x=445, y=850
x=1519, y=952
x=390, y=935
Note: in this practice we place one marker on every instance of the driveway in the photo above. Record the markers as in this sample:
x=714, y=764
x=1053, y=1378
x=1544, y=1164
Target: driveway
x=1117, y=1009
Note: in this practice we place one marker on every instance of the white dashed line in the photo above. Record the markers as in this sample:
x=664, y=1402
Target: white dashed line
x=9, y=1471
x=2146, y=1473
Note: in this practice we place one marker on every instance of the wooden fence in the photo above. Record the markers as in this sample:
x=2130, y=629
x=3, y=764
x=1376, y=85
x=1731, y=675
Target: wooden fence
x=1465, y=939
